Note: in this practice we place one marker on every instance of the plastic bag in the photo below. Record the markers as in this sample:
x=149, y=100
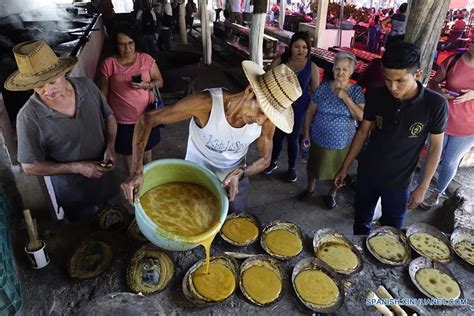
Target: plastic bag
x=157, y=102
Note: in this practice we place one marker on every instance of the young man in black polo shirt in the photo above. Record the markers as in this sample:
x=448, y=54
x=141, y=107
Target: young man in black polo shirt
x=398, y=118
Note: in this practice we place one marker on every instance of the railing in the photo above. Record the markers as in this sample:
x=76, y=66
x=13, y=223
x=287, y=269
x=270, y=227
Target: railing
x=85, y=37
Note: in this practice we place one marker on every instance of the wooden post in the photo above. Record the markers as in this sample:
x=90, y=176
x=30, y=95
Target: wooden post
x=341, y=19
x=182, y=22
x=424, y=28
x=205, y=33
x=320, y=25
x=257, y=30
x=281, y=18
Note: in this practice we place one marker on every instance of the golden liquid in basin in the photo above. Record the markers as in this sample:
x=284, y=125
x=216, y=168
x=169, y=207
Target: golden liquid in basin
x=240, y=230
x=338, y=256
x=316, y=287
x=283, y=243
x=430, y=246
x=184, y=209
x=217, y=284
x=438, y=284
x=262, y=284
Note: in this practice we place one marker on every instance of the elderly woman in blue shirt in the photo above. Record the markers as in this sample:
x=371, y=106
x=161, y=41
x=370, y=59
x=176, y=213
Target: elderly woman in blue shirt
x=330, y=124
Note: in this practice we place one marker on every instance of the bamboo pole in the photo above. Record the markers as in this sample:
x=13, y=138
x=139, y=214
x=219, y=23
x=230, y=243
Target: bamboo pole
x=205, y=33
x=182, y=22
x=256, y=31
x=281, y=18
x=320, y=25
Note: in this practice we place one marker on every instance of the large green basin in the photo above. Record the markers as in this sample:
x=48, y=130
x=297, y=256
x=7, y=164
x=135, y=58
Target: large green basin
x=165, y=171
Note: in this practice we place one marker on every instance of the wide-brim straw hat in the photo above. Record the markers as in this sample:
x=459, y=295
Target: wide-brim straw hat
x=276, y=90
x=37, y=66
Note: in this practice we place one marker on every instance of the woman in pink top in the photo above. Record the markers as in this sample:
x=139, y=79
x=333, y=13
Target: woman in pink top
x=127, y=80
x=458, y=74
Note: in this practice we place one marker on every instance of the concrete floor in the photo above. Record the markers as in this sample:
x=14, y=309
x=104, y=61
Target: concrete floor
x=51, y=292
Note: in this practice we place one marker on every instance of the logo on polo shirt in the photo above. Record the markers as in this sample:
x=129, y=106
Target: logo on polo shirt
x=378, y=121
x=415, y=129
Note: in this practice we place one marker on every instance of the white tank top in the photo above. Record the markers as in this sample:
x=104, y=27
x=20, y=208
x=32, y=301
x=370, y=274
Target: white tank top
x=218, y=146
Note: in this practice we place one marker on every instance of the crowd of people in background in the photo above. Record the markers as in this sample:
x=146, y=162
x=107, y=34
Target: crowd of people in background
x=159, y=20
x=335, y=121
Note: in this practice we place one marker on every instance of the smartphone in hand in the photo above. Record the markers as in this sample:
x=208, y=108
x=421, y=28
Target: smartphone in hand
x=106, y=164
x=453, y=94
x=137, y=78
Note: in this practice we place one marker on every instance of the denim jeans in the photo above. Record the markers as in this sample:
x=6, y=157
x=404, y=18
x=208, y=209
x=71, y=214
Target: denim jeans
x=374, y=37
x=367, y=193
x=454, y=148
x=82, y=197
x=293, y=143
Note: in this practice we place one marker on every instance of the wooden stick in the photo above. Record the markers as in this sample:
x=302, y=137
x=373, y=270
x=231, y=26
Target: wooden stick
x=29, y=224
x=238, y=255
x=381, y=308
x=35, y=226
x=383, y=293
x=34, y=243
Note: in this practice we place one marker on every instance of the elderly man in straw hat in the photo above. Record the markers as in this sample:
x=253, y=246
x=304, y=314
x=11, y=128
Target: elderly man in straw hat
x=66, y=129
x=223, y=126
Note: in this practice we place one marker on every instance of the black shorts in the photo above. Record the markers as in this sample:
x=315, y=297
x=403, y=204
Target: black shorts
x=124, y=140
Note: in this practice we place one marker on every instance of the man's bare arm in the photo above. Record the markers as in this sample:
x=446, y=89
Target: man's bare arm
x=110, y=135
x=265, y=146
x=431, y=163
x=110, y=131
x=197, y=105
x=432, y=158
x=89, y=169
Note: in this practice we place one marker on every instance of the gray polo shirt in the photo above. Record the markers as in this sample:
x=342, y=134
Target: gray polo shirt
x=47, y=135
